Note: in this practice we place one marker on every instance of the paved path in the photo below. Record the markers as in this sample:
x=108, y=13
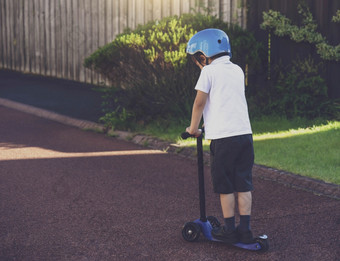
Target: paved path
x=68, y=194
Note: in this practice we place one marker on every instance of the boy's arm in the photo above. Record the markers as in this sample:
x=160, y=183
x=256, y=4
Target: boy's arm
x=197, y=112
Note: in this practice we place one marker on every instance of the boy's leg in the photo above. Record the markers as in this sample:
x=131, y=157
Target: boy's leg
x=227, y=233
x=222, y=157
x=244, y=205
x=244, y=202
x=244, y=186
x=228, y=210
x=228, y=205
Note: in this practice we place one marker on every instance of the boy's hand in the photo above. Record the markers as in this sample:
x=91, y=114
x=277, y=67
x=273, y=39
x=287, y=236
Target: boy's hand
x=195, y=133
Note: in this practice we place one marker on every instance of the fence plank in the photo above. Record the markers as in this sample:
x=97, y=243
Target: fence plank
x=176, y=7
x=88, y=36
x=140, y=12
x=24, y=33
x=4, y=33
x=26, y=36
x=185, y=7
x=52, y=45
x=10, y=26
x=227, y=10
x=63, y=31
x=148, y=10
x=131, y=14
x=32, y=54
x=8, y=34
x=94, y=32
x=38, y=43
x=156, y=10
x=101, y=13
x=166, y=8
x=2, y=54
x=10, y=30
x=43, y=38
x=215, y=7
x=109, y=21
x=75, y=39
x=81, y=41
x=59, y=40
x=69, y=38
x=47, y=37
x=17, y=36
x=123, y=21
x=115, y=13
x=101, y=30
x=43, y=44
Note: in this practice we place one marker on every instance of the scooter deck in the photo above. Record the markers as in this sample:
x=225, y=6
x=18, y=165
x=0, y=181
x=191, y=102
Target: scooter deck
x=206, y=229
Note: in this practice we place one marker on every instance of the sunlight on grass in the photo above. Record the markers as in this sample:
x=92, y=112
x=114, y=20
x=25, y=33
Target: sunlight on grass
x=296, y=132
x=334, y=125
x=312, y=152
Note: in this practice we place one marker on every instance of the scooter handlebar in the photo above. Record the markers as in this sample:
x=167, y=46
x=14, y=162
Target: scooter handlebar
x=186, y=135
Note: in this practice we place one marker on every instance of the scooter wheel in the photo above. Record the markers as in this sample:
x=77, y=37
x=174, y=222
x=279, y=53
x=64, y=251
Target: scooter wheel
x=191, y=231
x=214, y=221
x=263, y=244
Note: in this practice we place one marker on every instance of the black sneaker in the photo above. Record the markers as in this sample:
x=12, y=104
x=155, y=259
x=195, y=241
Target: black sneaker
x=220, y=233
x=245, y=237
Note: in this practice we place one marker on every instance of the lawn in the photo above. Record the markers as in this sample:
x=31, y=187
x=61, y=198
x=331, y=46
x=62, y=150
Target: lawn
x=305, y=147
x=311, y=151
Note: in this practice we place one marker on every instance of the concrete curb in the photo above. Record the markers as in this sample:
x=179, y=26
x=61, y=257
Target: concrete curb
x=288, y=179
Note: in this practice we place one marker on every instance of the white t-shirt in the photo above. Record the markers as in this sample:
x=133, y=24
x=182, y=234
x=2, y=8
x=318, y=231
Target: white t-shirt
x=226, y=112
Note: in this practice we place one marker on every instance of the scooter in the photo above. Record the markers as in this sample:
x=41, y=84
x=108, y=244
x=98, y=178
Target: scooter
x=191, y=230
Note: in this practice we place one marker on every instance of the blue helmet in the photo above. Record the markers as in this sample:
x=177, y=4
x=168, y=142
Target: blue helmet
x=210, y=42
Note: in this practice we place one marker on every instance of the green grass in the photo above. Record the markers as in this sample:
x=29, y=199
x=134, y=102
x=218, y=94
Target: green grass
x=310, y=151
x=305, y=147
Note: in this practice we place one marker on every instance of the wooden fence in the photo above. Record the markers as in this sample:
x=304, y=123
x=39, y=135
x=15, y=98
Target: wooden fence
x=53, y=37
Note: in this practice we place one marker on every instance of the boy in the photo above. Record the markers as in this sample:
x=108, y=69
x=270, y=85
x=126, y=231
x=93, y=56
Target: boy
x=220, y=99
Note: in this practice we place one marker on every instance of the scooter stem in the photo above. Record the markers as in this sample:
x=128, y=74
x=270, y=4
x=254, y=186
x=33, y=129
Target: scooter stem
x=200, y=165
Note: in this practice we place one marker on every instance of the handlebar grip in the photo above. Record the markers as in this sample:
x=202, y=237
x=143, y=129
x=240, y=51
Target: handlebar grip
x=186, y=135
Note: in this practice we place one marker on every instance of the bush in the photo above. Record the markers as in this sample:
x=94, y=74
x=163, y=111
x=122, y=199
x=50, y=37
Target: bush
x=150, y=73
x=300, y=91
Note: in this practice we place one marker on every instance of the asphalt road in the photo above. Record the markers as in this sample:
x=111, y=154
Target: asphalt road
x=68, y=194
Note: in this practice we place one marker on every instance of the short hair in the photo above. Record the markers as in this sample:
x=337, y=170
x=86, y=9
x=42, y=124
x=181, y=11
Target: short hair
x=198, y=56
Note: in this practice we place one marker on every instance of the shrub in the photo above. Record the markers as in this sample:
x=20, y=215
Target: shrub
x=300, y=91
x=150, y=73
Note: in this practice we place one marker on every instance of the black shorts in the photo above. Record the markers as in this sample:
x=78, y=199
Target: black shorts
x=232, y=160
